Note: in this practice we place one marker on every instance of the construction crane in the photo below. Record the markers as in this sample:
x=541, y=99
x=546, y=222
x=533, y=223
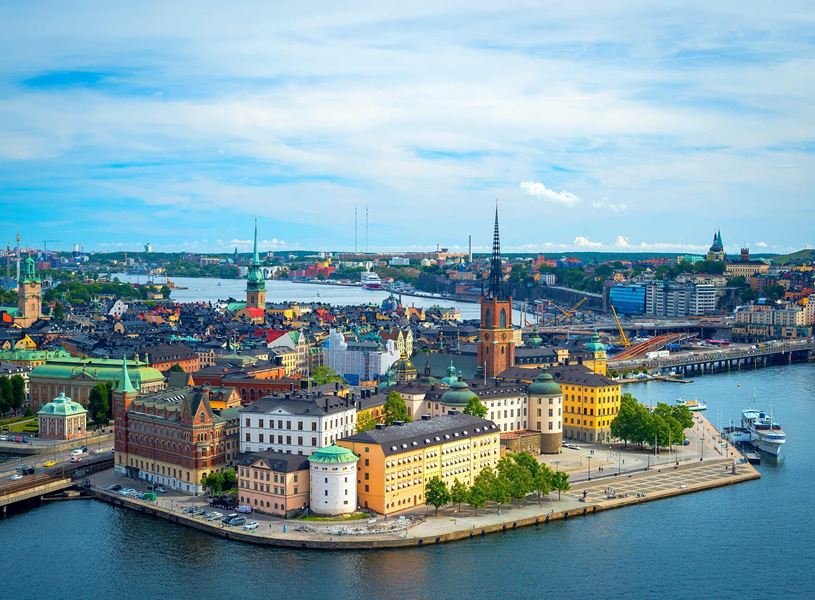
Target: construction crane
x=623, y=338
x=45, y=245
x=568, y=314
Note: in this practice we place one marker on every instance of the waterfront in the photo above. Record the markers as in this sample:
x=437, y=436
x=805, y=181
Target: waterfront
x=208, y=289
x=685, y=547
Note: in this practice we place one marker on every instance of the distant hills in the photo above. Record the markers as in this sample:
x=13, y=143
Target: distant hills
x=783, y=259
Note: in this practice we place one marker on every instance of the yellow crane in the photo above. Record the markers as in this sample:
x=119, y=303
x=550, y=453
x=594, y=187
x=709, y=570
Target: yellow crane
x=568, y=314
x=623, y=337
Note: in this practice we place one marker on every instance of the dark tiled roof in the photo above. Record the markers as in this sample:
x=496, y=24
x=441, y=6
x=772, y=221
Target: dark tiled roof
x=424, y=433
x=301, y=403
x=278, y=461
x=579, y=375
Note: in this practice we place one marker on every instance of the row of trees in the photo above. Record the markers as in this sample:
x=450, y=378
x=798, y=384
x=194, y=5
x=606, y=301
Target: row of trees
x=636, y=424
x=12, y=393
x=517, y=476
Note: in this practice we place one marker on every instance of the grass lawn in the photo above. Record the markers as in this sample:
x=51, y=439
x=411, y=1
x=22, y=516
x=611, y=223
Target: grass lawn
x=352, y=517
x=27, y=426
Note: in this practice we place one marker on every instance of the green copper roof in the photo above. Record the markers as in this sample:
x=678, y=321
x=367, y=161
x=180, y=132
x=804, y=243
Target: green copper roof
x=545, y=385
x=125, y=385
x=459, y=394
x=595, y=345
x=103, y=369
x=254, y=279
x=62, y=405
x=452, y=375
x=30, y=270
x=333, y=455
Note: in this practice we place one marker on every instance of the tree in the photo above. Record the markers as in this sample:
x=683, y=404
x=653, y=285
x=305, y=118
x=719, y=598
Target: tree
x=17, y=392
x=436, y=493
x=365, y=421
x=476, y=497
x=560, y=481
x=176, y=368
x=324, y=374
x=518, y=477
x=475, y=408
x=500, y=491
x=218, y=482
x=59, y=312
x=542, y=482
x=98, y=403
x=395, y=409
x=458, y=492
x=6, y=395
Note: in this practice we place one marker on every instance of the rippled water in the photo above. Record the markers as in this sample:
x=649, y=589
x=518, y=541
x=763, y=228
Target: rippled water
x=752, y=540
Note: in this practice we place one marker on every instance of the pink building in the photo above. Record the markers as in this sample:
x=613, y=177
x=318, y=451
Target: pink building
x=274, y=483
x=62, y=419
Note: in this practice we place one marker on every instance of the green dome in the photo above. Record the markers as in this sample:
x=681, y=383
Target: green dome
x=333, y=455
x=545, y=385
x=459, y=394
x=595, y=345
x=452, y=375
x=62, y=405
x=535, y=340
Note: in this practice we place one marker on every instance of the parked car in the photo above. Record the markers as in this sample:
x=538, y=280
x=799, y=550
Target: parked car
x=243, y=508
x=229, y=517
x=3, y=438
x=76, y=459
x=160, y=489
x=48, y=463
x=236, y=521
x=126, y=491
x=189, y=510
x=214, y=516
x=113, y=487
x=250, y=525
x=198, y=512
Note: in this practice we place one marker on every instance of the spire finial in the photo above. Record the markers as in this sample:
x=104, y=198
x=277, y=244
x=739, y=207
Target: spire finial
x=255, y=258
x=495, y=266
x=125, y=385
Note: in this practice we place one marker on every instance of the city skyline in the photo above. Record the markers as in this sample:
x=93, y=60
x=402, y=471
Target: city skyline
x=600, y=128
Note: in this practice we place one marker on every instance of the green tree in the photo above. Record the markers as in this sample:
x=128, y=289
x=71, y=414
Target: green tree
x=365, y=421
x=560, y=482
x=542, y=482
x=324, y=374
x=17, y=392
x=436, y=493
x=458, y=492
x=477, y=497
x=518, y=478
x=59, y=312
x=98, y=403
x=475, y=408
x=395, y=409
x=6, y=395
x=500, y=490
x=176, y=368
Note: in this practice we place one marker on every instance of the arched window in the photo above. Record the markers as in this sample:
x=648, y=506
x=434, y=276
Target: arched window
x=503, y=317
x=488, y=318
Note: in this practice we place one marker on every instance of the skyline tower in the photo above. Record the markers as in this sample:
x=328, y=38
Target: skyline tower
x=255, y=284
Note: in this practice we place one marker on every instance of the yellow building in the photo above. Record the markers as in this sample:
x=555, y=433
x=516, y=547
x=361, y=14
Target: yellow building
x=596, y=361
x=396, y=462
x=590, y=403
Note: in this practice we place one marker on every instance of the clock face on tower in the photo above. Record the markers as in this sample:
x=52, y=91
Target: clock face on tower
x=503, y=336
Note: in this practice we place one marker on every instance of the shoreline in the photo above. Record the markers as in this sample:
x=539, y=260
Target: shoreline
x=437, y=530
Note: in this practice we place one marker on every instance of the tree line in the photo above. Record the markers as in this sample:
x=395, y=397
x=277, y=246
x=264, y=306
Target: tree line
x=12, y=393
x=636, y=424
x=517, y=476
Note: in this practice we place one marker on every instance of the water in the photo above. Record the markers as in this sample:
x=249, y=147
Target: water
x=207, y=289
x=750, y=540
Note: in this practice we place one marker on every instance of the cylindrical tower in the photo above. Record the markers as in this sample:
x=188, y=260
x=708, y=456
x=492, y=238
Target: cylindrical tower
x=546, y=407
x=333, y=481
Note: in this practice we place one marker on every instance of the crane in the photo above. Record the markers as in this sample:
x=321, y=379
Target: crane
x=45, y=244
x=570, y=313
x=623, y=337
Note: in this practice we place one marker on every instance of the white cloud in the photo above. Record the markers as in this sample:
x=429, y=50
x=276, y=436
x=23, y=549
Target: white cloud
x=761, y=245
x=621, y=242
x=584, y=242
x=612, y=206
x=539, y=190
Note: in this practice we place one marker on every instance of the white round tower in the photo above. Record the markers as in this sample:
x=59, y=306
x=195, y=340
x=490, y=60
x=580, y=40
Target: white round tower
x=333, y=481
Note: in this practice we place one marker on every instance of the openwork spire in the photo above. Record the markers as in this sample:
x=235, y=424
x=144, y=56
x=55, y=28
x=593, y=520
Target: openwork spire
x=495, y=265
x=255, y=257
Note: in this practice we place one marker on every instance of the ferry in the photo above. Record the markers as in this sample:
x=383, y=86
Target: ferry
x=765, y=434
x=693, y=405
x=370, y=280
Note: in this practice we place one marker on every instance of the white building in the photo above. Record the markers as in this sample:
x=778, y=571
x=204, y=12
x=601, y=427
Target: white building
x=548, y=278
x=359, y=361
x=296, y=422
x=333, y=481
x=117, y=309
x=399, y=261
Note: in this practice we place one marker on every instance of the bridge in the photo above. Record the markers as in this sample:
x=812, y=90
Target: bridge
x=725, y=359
x=652, y=345
x=53, y=480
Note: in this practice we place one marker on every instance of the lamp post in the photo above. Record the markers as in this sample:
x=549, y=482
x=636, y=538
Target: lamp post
x=589, y=467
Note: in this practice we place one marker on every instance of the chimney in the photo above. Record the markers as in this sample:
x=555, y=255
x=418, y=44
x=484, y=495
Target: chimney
x=380, y=426
x=398, y=423
x=426, y=417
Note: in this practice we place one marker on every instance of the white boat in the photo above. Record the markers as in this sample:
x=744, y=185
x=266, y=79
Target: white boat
x=765, y=434
x=370, y=280
x=693, y=405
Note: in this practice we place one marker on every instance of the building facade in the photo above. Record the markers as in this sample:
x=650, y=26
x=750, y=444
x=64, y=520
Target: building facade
x=273, y=483
x=396, y=462
x=62, y=419
x=590, y=403
x=333, y=481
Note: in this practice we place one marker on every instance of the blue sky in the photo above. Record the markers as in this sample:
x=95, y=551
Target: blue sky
x=599, y=126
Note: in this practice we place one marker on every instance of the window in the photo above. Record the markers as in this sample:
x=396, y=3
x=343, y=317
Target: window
x=366, y=487
x=260, y=424
x=314, y=426
x=367, y=462
x=314, y=441
x=260, y=438
x=248, y=437
x=299, y=425
x=247, y=422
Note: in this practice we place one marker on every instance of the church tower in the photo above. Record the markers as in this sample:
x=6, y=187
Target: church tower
x=121, y=399
x=29, y=295
x=255, y=285
x=496, y=347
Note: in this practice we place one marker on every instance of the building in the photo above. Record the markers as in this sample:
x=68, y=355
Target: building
x=76, y=377
x=628, y=299
x=333, y=481
x=590, y=403
x=62, y=419
x=296, y=422
x=164, y=356
x=546, y=411
x=255, y=284
x=496, y=344
x=716, y=252
x=396, y=462
x=357, y=361
x=29, y=297
x=744, y=267
x=670, y=299
x=173, y=437
x=273, y=483
x=758, y=322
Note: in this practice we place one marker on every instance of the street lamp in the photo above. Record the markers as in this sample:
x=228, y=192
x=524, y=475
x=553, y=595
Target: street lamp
x=589, y=467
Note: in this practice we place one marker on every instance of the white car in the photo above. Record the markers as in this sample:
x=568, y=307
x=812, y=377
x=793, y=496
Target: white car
x=15, y=477
x=77, y=452
x=250, y=525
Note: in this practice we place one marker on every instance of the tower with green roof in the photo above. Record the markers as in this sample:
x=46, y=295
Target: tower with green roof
x=29, y=295
x=122, y=397
x=333, y=481
x=255, y=284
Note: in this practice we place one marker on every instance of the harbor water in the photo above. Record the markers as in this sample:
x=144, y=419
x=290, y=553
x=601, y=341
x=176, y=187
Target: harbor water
x=745, y=541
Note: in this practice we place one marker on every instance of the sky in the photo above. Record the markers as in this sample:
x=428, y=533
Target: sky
x=620, y=126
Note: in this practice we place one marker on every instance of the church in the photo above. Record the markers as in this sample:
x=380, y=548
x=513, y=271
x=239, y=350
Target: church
x=29, y=298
